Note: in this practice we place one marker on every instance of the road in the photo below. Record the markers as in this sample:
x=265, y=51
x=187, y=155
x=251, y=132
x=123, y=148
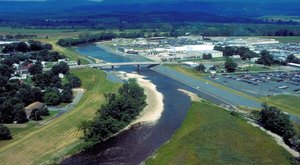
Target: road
x=207, y=91
x=62, y=110
x=149, y=63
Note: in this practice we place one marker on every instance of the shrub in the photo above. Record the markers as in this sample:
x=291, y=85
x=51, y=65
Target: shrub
x=4, y=133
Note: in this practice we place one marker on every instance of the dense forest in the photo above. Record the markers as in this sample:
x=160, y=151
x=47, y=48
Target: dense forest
x=112, y=117
x=31, y=50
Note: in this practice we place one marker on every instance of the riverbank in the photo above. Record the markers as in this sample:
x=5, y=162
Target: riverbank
x=155, y=106
x=132, y=57
x=61, y=137
x=109, y=49
x=211, y=134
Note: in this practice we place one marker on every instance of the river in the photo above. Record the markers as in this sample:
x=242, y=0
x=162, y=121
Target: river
x=136, y=144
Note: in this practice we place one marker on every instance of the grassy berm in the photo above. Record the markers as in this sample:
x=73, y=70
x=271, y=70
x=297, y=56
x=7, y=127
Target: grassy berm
x=211, y=135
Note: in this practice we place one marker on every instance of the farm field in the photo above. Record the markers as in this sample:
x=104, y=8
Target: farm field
x=58, y=138
x=211, y=135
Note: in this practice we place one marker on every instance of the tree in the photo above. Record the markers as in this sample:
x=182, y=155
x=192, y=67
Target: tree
x=207, y=56
x=266, y=58
x=6, y=71
x=35, y=45
x=67, y=95
x=44, y=111
x=4, y=133
x=74, y=82
x=37, y=94
x=228, y=51
x=10, y=61
x=292, y=59
x=9, y=48
x=48, y=46
x=20, y=117
x=37, y=68
x=46, y=79
x=276, y=121
x=230, y=65
x=22, y=47
x=62, y=67
x=35, y=115
x=3, y=83
x=51, y=98
x=26, y=95
x=120, y=110
x=200, y=68
x=6, y=112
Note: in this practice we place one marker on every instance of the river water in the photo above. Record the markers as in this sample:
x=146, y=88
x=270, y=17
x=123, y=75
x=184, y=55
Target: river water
x=136, y=144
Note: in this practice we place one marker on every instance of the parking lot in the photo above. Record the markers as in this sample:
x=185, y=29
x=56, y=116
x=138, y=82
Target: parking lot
x=262, y=84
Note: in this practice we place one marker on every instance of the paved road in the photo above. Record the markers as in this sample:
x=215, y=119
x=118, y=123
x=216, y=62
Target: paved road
x=62, y=110
x=208, y=91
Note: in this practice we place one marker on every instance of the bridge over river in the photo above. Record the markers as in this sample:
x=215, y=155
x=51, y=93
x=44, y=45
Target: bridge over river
x=113, y=65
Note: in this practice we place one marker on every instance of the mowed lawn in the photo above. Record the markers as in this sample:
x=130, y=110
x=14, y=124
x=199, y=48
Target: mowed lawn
x=37, y=145
x=211, y=135
x=287, y=103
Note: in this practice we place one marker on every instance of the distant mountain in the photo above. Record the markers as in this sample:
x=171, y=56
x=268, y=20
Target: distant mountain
x=100, y=12
x=218, y=7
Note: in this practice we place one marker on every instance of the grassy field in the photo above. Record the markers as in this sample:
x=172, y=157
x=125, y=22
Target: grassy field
x=256, y=68
x=70, y=53
x=290, y=104
x=58, y=138
x=211, y=135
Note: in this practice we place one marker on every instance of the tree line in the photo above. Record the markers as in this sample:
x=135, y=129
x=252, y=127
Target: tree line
x=9, y=37
x=32, y=50
x=106, y=36
x=244, y=52
x=121, y=109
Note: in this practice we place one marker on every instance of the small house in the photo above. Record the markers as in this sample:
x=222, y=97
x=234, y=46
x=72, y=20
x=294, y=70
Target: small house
x=36, y=105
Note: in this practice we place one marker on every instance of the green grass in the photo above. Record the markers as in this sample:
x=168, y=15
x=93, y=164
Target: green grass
x=218, y=59
x=56, y=139
x=70, y=53
x=287, y=103
x=210, y=135
x=257, y=68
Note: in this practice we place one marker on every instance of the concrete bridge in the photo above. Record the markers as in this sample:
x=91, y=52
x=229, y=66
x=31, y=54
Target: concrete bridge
x=113, y=65
x=137, y=64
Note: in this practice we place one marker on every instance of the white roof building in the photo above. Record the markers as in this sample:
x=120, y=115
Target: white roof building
x=192, y=48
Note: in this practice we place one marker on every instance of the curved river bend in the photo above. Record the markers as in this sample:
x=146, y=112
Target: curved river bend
x=133, y=146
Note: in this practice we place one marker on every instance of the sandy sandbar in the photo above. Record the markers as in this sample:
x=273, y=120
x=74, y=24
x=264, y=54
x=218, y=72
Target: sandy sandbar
x=155, y=106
